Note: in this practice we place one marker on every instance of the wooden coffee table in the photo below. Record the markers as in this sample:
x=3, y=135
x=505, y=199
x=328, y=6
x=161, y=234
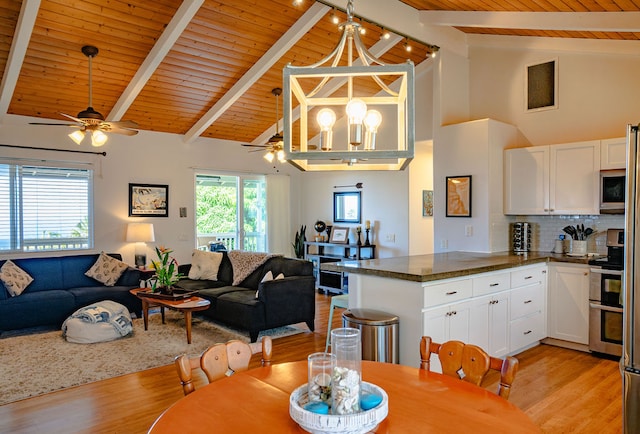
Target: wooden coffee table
x=186, y=305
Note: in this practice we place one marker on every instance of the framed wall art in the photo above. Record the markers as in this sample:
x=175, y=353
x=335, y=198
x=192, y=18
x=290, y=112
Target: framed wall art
x=459, y=196
x=427, y=203
x=339, y=235
x=148, y=200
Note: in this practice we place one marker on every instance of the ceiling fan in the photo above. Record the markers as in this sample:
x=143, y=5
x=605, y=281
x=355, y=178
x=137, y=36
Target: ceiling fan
x=275, y=145
x=93, y=121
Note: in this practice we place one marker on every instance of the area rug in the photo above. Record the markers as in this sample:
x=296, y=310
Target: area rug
x=38, y=363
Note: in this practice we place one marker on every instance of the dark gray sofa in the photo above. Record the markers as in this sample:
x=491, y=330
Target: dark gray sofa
x=59, y=288
x=279, y=302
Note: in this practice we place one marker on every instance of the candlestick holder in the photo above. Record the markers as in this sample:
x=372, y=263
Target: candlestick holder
x=358, y=231
x=366, y=241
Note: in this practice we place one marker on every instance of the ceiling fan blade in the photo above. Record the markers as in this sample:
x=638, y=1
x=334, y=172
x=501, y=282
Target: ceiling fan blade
x=254, y=146
x=59, y=125
x=123, y=124
x=125, y=131
x=73, y=118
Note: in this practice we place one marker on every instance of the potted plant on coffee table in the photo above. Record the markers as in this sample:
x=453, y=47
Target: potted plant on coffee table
x=167, y=273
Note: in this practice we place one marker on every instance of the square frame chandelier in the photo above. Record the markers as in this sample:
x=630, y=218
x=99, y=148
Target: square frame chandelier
x=358, y=116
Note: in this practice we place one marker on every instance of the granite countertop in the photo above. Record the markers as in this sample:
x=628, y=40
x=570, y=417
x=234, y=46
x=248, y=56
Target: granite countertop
x=425, y=268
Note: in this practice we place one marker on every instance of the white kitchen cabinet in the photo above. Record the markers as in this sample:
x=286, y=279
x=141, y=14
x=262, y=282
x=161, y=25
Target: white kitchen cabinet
x=449, y=322
x=568, y=302
x=526, y=181
x=613, y=153
x=445, y=323
x=489, y=323
x=553, y=179
x=527, y=307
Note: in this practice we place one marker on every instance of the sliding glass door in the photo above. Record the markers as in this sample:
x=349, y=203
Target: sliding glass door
x=231, y=209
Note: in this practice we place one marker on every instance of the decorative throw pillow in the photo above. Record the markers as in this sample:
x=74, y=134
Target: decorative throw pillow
x=14, y=278
x=267, y=277
x=205, y=265
x=106, y=270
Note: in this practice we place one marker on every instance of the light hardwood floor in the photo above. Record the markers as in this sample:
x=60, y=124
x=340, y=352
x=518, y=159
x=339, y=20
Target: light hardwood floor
x=563, y=391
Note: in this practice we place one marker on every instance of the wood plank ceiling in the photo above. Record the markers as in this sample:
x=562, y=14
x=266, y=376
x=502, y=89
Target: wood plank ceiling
x=205, y=71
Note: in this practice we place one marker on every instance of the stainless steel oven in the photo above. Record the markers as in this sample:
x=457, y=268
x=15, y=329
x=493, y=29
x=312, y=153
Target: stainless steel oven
x=605, y=298
x=605, y=311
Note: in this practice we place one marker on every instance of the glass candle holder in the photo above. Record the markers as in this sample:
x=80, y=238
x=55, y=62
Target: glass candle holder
x=347, y=375
x=320, y=371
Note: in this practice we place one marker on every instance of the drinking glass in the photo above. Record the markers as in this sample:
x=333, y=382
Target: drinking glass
x=347, y=347
x=320, y=371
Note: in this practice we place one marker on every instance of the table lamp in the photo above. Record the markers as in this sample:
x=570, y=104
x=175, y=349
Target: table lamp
x=140, y=233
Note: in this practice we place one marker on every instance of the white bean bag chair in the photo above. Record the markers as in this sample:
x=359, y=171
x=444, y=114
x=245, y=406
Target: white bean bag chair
x=100, y=322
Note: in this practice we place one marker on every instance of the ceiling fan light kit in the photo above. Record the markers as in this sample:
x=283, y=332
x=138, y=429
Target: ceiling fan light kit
x=92, y=120
x=353, y=129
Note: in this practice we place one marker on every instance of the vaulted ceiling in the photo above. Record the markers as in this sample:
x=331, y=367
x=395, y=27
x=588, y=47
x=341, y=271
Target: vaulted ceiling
x=206, y=68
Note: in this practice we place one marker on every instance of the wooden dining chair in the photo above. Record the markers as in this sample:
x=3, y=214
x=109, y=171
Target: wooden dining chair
x=221, y=360
x=469, y=363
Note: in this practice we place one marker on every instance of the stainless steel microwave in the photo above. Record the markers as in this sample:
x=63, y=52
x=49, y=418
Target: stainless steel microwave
x=612, y=187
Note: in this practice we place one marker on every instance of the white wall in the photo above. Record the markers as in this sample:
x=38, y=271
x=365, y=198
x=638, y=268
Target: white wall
x=598, y=90
x=420, y=179
x=472, y=148
x=150, y=158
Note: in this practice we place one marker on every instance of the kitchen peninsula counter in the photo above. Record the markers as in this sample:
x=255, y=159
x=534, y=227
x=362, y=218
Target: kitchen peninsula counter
x=437, y=266
x=494, y=300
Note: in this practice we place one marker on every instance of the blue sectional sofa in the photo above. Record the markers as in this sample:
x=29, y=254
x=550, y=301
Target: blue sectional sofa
x=59, y=288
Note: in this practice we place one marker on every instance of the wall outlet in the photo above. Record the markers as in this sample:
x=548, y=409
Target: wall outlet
x=391, y=238
x=468, y=231
x=444, y=244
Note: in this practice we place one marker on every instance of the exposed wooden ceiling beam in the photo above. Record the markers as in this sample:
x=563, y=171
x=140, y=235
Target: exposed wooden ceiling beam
x=568, y=21
x=22, y=35
x=179, y=22
x=288, y=40
x=378, y=49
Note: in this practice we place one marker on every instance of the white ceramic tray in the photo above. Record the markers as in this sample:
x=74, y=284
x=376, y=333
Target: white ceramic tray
x=357, y=423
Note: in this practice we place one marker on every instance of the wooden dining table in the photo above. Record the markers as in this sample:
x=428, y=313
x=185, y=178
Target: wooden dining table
x=257, y=401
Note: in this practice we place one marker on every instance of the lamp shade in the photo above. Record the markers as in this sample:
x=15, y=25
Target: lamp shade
x=140, y=232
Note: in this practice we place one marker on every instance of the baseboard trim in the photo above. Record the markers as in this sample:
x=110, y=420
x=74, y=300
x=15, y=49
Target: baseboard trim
x=566, y=344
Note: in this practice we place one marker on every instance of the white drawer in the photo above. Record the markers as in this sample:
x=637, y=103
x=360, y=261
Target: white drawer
x=449, y=292
x=526, y=300
x=528, y=276
x=526, y=331
x=488, y=284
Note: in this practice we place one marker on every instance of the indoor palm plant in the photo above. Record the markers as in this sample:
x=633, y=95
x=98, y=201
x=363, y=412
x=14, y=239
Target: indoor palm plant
x=166, y=271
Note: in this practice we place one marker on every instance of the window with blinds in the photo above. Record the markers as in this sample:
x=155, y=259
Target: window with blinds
x=45, y=208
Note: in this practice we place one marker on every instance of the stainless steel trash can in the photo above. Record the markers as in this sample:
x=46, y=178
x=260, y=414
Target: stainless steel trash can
x=379, y=332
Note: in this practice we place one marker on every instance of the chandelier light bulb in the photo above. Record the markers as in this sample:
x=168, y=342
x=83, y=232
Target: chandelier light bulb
x=372, y=121
x=356, y=110
x=269, y=156
x=326, y=120
x=98, y=138
x=77, y=136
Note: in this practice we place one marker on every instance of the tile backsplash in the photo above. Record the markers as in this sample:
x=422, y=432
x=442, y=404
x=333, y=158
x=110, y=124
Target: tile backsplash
x=546, y=229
